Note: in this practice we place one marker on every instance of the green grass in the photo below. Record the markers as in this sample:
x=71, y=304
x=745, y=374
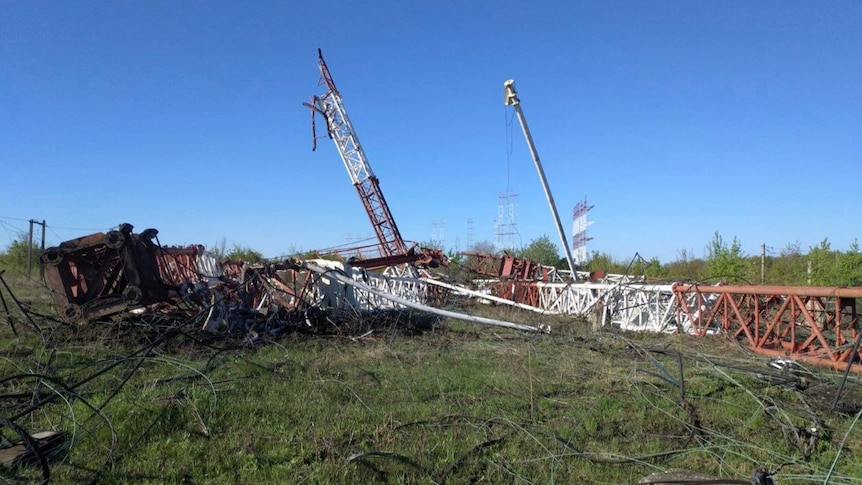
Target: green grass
x=457, y=403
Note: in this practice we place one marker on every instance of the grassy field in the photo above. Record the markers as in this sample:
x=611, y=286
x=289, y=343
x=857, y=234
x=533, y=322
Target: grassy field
x=404, y=400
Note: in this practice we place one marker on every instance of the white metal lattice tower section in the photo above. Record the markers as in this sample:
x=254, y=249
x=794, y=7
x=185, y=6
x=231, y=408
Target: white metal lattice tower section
x=505, y=225
x=331, y=106
x=470, y=234
x=579, y=232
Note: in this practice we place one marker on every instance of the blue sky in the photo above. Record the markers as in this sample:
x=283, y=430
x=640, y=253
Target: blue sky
x=675, y=119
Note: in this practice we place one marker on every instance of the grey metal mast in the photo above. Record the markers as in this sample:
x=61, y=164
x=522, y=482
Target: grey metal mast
x=512, y=100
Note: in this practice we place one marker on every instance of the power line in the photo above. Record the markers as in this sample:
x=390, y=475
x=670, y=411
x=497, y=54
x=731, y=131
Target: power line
x=14, y=219
x=80, y=228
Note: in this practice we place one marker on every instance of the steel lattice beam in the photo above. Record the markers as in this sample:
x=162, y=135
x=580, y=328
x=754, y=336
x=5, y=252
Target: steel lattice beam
x=809, y=323
x=331, y=106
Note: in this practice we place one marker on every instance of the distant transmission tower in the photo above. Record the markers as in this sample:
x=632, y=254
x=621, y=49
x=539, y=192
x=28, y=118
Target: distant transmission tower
x=579, y=238
x=506, y=229
x=438, y=234
x=470, y=234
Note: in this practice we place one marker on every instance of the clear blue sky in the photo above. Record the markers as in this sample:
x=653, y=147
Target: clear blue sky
x=675, y=118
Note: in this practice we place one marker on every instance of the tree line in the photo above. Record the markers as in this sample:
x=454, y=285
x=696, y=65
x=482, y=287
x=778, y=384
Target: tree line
x=724, y=261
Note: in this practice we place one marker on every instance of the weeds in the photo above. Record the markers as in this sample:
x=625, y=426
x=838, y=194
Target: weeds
x=146, y=401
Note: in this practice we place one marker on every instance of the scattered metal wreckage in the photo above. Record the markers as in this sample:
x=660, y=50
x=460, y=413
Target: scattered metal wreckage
x=105, y=274
x=812, y=324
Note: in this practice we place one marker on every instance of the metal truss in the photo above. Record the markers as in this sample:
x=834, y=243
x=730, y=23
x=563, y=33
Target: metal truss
x=812, y=324
x=189, y=264
x=332, y=293
x=627, y=305
x=340, y=129
x=809, y=323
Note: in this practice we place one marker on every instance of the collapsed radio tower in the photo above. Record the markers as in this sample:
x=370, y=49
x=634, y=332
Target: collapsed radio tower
x=393, y=250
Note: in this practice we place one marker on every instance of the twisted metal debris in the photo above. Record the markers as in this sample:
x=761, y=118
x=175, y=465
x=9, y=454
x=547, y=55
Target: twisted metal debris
x=104, y=274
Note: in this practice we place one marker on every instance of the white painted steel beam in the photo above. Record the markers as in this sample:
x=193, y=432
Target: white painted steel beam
x=397, y=301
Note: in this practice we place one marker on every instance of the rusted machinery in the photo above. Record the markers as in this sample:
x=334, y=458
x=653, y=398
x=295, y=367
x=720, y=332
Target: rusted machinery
x=107, y=273
x=104, y=273
x=508, y=267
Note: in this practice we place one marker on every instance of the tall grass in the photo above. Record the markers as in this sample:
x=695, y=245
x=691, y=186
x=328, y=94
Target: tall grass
x=457, y=403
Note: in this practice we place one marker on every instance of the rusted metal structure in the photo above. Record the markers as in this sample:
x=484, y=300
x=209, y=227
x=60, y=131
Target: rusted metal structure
x=192, y=264
x=508, y=267
x=104, y=273
x=813, y=324
x=808, y=323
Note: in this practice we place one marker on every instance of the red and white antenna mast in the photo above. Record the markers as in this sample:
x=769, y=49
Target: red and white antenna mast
x=331, y=106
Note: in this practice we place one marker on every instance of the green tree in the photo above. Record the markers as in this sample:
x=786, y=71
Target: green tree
x=242, y=253
x=822, y=264
x=834, y=268
x=653, y=269
x=850, y=268
x=685, y=267
x=726, y=262
x=603, y=261
x=541, y=250
x=14, y=257
x=788, y=268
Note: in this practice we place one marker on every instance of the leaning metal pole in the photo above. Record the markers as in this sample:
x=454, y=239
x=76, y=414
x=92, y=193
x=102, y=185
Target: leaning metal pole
x=512, y=100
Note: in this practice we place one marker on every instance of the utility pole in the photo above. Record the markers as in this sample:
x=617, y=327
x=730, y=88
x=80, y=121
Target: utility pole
x=42, y=266
x=30, y=245
x=30, y=249
x=762, y=263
